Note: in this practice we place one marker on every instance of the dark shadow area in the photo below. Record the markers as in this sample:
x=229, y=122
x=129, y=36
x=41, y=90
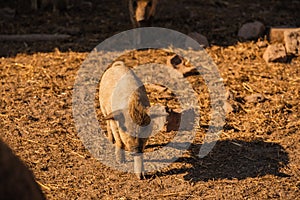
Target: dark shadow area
x=90, y=22
x=234, y=159
x=16, y=180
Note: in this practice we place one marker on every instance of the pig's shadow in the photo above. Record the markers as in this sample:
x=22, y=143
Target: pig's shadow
x=233, y=159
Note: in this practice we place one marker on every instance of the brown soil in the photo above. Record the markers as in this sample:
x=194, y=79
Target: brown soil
x=257, y=156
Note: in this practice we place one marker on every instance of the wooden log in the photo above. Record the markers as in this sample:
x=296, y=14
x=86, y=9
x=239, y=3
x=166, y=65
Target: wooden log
x=34, y=37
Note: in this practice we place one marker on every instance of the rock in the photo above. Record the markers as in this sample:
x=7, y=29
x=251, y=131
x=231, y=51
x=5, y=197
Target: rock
x=292, y=41
x=252, y=30
x=178, y=63
x=276, y=34
x=275, y=53
x=201, y=39
x=227, y=107
x=255, y=98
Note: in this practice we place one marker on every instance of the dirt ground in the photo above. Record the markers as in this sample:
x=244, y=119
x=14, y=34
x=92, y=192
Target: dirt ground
x=257, y=156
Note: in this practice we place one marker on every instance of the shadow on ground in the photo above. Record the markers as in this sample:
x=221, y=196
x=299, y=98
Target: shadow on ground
x=234, y=159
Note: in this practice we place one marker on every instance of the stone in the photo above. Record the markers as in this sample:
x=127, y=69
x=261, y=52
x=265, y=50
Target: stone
x=227, y=107
x=201, y=39
x=178, y=63
x=255, y=98
x=251, y=30
x=276, y=34
x=292, y=41
x=275, y=53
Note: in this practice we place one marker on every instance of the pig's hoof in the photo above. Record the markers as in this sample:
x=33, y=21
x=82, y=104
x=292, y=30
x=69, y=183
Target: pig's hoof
x=140, y=176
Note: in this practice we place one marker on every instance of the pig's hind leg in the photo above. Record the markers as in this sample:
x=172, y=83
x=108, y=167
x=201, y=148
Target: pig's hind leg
x=119, y=151
x=110, y=135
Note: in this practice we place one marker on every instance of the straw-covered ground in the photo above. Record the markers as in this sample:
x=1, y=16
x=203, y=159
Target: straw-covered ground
x=257, y=155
